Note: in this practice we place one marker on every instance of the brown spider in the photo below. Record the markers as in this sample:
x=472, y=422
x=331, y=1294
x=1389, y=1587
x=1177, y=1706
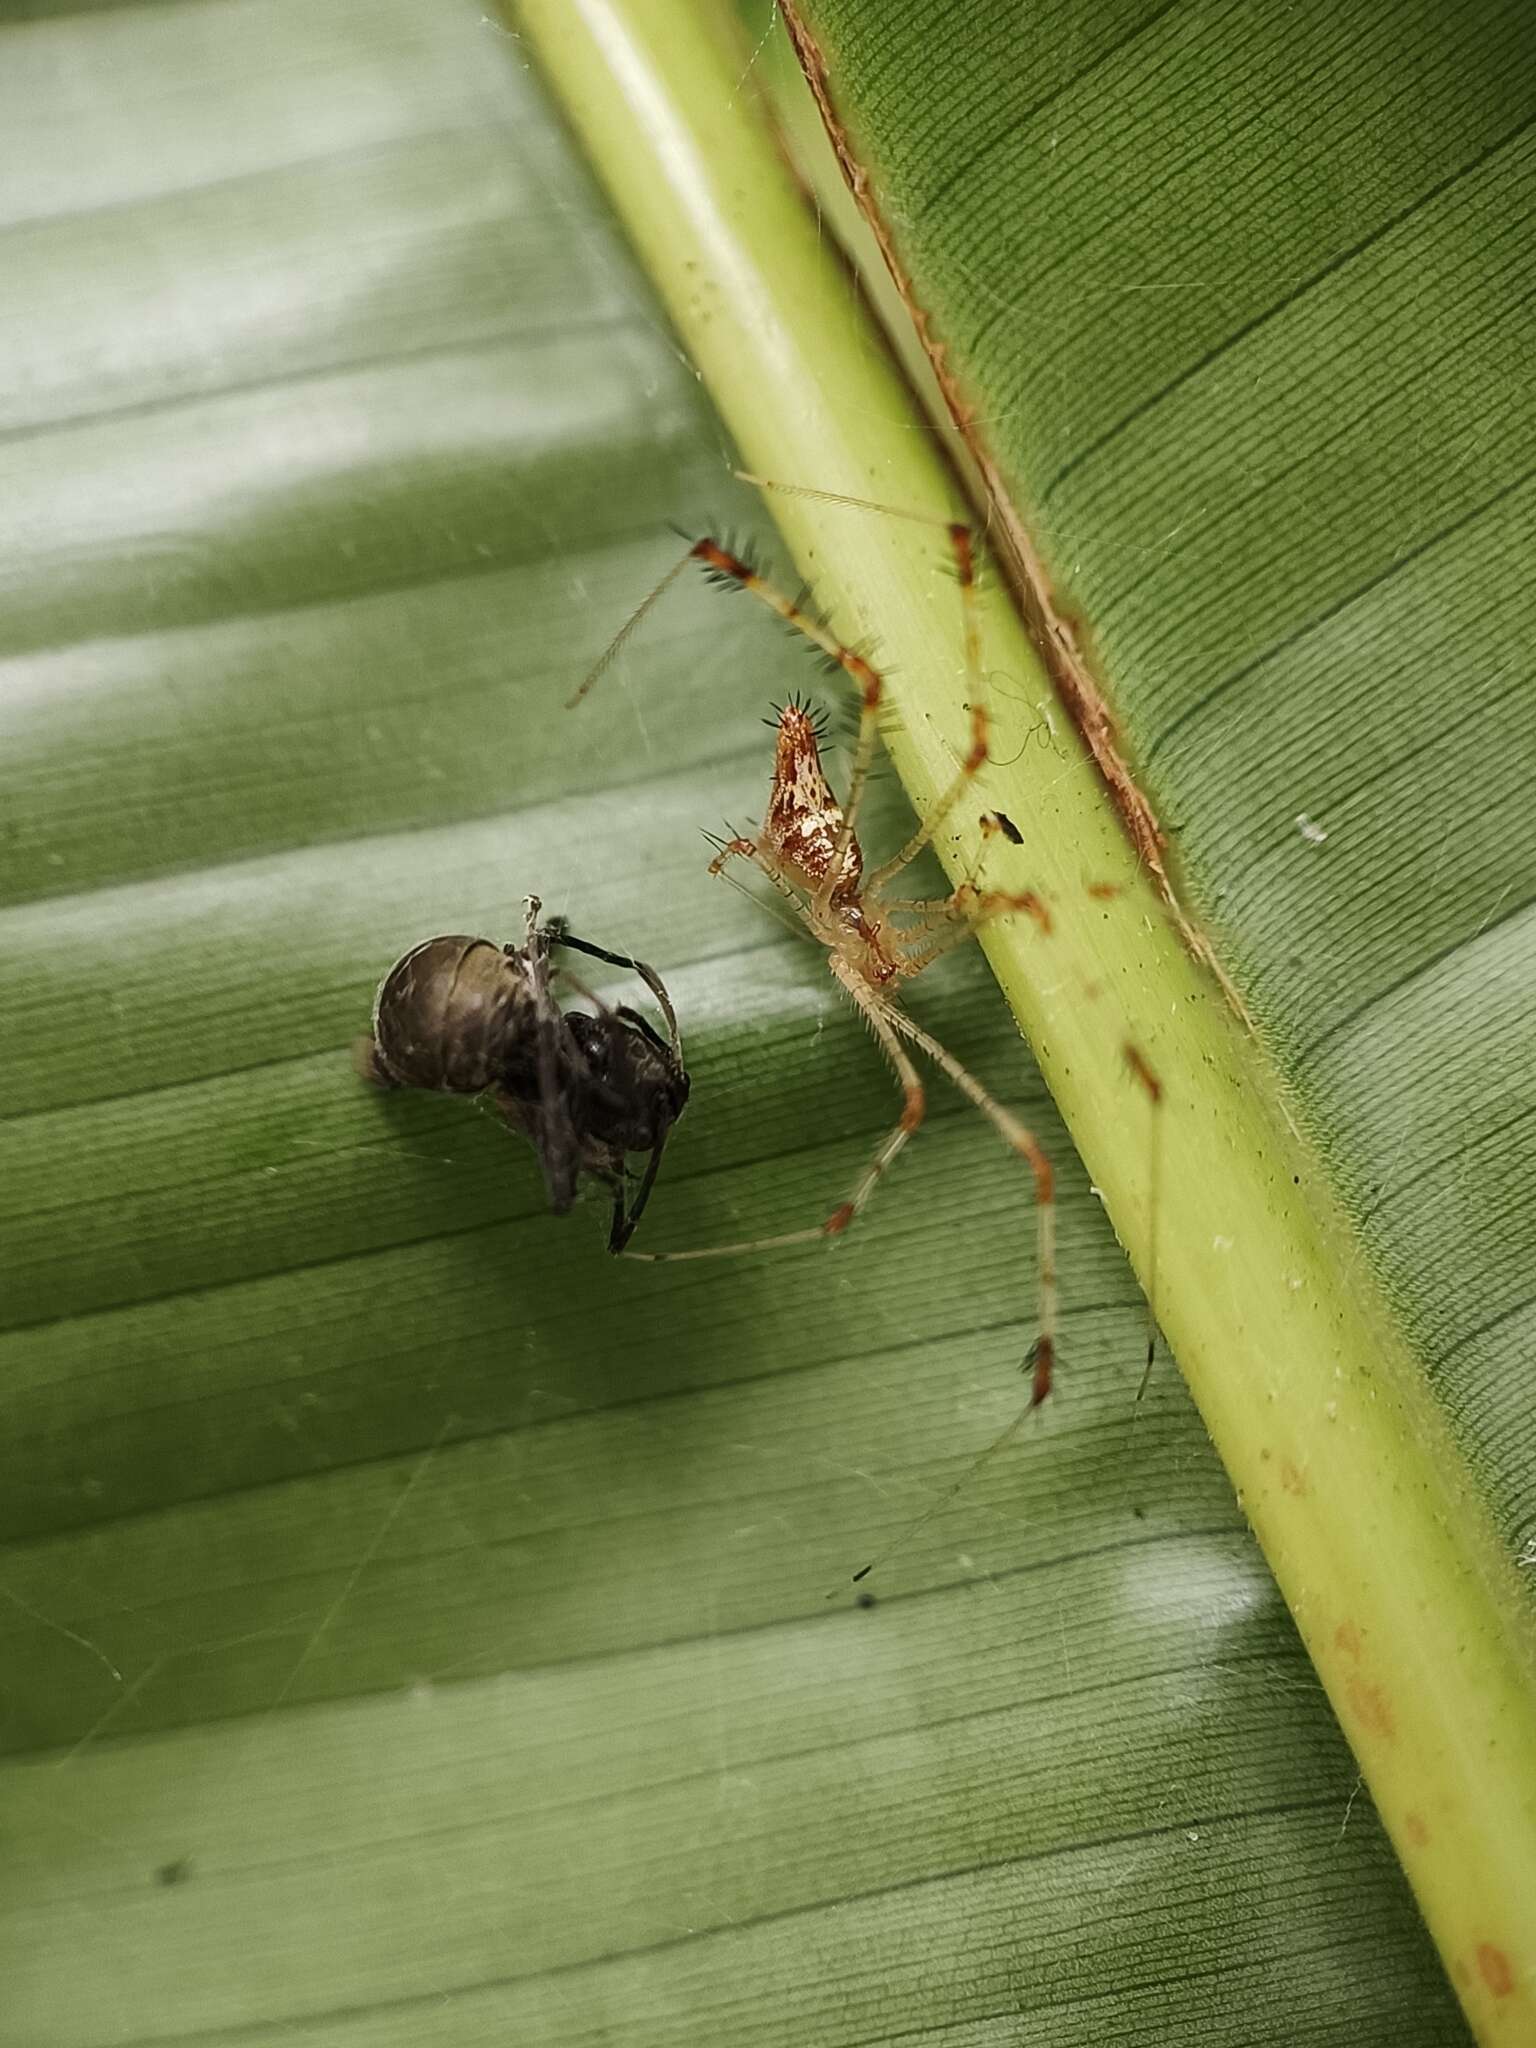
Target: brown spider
x=809, y=849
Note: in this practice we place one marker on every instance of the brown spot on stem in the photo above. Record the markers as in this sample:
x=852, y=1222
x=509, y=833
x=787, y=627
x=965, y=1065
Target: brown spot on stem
x=1371, y=1707
x=1415, y=1829
x=1036, y=908
x=1347, y=1638
x=1136, y=1060
x=1292, y=1478
x=1103, y=892
x=1493, y=1968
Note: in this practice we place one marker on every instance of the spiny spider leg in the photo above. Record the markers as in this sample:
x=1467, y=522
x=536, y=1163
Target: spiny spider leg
x=884, y=1020
x=1004, y=1437
x=621, y=640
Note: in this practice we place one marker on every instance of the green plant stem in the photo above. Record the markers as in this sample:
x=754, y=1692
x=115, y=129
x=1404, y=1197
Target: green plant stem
x=1343, y=1465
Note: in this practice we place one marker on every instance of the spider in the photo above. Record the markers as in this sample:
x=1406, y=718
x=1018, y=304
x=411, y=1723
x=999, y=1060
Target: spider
x=875, y=939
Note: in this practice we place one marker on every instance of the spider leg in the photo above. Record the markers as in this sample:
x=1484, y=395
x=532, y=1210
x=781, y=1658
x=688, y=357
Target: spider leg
x=624, y=1225
x=1021, y=1140
x=881, y=1018
x=951, y=920
x=977, y=756
x=738, y=849
x=617, y=644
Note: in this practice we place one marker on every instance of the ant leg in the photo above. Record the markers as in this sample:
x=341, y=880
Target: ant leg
x=624, y=1225
x=1020, y=1139
x=648, y=975
x=367, y=1064
x=881, y=1020
x=618, y=1228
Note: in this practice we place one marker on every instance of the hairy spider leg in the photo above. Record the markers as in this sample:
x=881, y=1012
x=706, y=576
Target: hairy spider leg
x=621, y=639
x=1004, y=1437
x=883, y=1017
x=1021, y=1140
x=954, y=919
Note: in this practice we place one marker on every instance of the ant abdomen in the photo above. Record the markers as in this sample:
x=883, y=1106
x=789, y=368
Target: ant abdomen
x=446, y=1015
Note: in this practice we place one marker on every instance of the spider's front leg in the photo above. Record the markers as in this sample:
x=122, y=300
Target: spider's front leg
x=736, y=849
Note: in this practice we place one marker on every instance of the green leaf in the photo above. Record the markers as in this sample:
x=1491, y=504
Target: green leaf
x=415, y=1623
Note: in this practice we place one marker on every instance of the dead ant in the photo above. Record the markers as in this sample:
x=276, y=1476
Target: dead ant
x=466, y=1016
x=809, y=849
